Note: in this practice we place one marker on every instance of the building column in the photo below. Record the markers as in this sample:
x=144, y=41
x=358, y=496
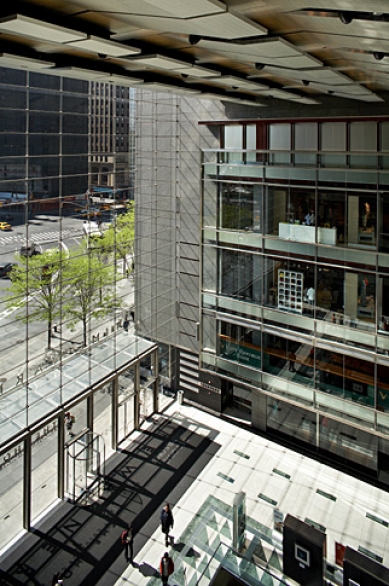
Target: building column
x=61, y=456
x=154, y=362
x=114, y=413
x=351, y=295
x=90, y=412
x=136, y=395
x=27, y=483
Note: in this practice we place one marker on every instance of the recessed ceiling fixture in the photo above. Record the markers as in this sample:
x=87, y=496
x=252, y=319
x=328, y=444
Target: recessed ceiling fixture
x=345, y=17
x=194, y=39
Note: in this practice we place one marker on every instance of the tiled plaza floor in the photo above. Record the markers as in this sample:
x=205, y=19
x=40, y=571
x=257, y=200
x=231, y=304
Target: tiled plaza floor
x=197, y=462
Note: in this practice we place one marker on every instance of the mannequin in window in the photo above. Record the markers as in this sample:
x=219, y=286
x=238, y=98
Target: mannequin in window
x=365, y=215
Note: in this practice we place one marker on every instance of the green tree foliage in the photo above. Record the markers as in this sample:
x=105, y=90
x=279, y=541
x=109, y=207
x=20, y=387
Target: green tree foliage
x=90, y=286
x=118, y=239
x=36, y=288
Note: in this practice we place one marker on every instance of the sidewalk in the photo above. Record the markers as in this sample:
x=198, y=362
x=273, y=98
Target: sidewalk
x=198, y=463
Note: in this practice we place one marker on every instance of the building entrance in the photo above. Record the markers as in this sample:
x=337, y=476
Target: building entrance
x=126, y=417
x=84, y=468
x=146, y=402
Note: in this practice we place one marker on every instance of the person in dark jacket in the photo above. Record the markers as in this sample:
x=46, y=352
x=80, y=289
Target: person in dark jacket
x=166, y=567
x=167, y=521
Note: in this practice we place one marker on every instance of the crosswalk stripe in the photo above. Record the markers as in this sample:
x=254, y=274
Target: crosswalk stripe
x=44, y=237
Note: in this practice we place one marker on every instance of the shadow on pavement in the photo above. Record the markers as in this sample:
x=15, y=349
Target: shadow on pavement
x=83, y=543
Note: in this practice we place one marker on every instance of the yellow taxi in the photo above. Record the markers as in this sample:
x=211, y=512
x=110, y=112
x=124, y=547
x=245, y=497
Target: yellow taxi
x=5, y=226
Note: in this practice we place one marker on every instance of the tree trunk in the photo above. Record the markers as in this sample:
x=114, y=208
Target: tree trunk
x=49, y=334
x=84, y=324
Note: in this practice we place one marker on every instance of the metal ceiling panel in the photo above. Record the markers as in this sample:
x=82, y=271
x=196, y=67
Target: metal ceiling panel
x=188, y=8
x=161, y=25
x=19, y=62
x=273, y=48
x=77, y=73
x=197, y=71
x=156, y=61
x=306, y=76
x=97, y=45
x=229, y=98
x=176, y=39
x=18, y=24
x=361, y=98
x=308, y=101
x=166, y=88
x=228, y=25
x=122, y=80
x=231, y=81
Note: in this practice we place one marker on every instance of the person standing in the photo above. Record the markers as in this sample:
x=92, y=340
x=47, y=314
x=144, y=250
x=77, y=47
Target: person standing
x=69, y=420
x=127, y=538
x=166, y=567
x=167, y=521
x=56, y=579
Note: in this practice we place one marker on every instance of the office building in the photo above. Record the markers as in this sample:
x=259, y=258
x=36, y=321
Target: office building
x=261, y=232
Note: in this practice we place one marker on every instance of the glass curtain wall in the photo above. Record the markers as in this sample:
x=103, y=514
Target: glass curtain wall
x=295, y=275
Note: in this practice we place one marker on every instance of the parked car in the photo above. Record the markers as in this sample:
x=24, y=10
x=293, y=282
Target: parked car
x=5, y=226
x=6, y=268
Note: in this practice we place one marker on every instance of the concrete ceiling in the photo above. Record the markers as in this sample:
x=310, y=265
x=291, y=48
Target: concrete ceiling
x=239, y=50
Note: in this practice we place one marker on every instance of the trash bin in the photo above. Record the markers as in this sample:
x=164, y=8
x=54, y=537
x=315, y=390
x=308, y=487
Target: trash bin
x=180, y=397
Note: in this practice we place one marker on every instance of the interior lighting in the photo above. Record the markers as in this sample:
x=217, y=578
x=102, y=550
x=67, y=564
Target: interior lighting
x=194, y=39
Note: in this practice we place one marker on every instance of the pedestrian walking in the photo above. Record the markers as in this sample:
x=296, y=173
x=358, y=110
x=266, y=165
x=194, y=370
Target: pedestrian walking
x=167, y=521
x=127, y=539
x=166, y=567
x=69, y=420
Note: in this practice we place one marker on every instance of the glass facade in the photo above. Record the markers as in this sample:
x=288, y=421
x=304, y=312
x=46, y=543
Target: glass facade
x=73, y=368
x=295, y=278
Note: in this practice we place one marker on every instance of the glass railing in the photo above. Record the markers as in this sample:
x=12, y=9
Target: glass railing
x=361, y=161
x=240, y=567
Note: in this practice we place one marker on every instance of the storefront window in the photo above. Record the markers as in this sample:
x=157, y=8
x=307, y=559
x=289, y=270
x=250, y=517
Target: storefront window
x=289, y=359
x=345, y=376
x=236, y=274
x=240, y=344
x=238, y=207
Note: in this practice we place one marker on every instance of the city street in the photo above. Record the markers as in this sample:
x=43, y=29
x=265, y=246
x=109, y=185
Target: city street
x=45, y=231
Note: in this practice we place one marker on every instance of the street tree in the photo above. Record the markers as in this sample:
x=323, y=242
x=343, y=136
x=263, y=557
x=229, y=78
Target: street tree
x=119, y=239
x=36, y=288
x=90, y=286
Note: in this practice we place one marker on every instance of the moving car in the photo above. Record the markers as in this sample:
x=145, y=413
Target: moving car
x=92, y=229
x=6, y=268
x=5, y=226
